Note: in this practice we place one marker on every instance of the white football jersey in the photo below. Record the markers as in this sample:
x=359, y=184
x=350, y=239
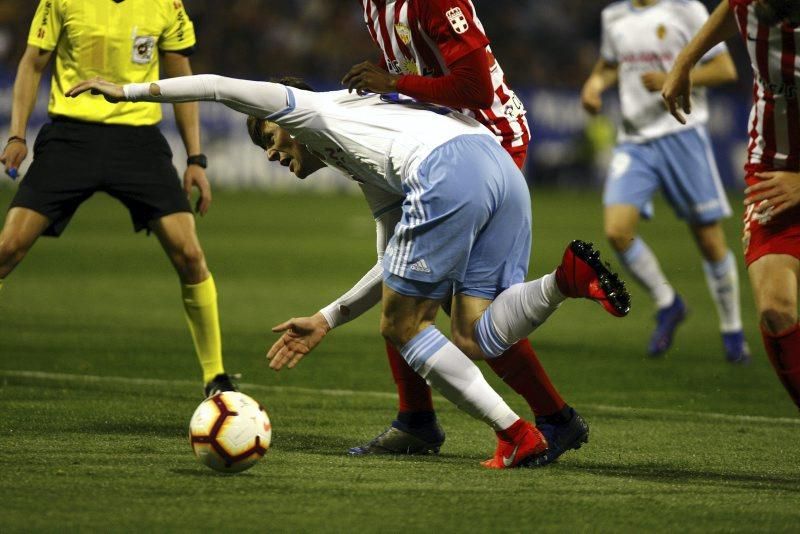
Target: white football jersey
x=642, y=39
x=378, y=140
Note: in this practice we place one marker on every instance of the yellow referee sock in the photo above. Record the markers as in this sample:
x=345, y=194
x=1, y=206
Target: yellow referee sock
x=200, y=305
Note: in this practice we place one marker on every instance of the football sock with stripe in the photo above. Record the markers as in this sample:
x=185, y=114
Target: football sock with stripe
x=457, y=378
x=723, y=283
x=200, y=306
x=640, y=261
x=783, y=350
x=515, y=313
x=413, y=393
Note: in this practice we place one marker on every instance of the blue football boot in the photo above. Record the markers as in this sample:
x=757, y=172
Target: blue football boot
x=736, y=348
x=667, y=321
x=561, y=437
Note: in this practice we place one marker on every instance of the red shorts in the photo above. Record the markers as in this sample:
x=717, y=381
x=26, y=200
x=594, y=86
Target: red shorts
x=780, y=235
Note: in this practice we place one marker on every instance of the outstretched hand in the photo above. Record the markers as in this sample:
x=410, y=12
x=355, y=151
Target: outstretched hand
x=367, y=77
x=300, y=336
x=98, y=86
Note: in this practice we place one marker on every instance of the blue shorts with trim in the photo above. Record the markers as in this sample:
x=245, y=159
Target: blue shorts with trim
x=466, y=223
x=682, y=165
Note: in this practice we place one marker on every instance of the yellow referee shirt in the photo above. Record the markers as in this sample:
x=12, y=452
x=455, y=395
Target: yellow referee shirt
x=116, y=40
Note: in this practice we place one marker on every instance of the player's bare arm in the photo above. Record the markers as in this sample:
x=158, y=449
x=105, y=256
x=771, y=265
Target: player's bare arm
x=368, y=77
x=604, y=75
x=187, y=117
x=677, y=89
x=716, y=71
x=26, y=86
x=300, y=336
x=777, y=192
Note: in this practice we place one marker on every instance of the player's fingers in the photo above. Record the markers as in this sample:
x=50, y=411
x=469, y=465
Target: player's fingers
x=354, y=83
x=758, y=197
x=276, y=347
x=766, y=175
x=686, y=100
x=294, y=360
x=282, y=327
x=779, y=208
x=352, y=72
x=672, y=105
x=81, y=87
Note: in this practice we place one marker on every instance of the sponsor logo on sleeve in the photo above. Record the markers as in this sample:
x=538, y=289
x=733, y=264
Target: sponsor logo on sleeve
x=42, y=31
x=457, y=19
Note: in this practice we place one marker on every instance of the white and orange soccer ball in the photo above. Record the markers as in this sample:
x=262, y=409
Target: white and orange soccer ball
x=230, y=432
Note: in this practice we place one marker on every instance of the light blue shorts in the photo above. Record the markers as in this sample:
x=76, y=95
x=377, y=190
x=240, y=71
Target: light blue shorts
x=466, y=224
x=681, y=164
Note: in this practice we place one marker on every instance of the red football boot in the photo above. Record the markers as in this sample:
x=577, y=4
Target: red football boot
x=517, y=446
x=583, y=275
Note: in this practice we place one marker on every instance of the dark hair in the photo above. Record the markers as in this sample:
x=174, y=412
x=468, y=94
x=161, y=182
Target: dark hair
x=772, y=12
x=255, y=125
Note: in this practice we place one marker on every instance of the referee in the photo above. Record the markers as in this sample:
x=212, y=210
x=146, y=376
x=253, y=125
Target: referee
x=91, y=145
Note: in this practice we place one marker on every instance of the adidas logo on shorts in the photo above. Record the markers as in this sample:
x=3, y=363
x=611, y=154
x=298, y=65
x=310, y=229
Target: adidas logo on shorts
x=420, y=266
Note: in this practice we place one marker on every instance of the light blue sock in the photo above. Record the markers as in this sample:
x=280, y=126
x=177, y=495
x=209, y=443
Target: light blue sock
x=722, y=278
x=643, y=265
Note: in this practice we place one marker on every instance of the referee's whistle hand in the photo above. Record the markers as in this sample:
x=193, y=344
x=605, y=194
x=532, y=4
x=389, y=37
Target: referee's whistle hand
x=97, y=86
x=13, y=156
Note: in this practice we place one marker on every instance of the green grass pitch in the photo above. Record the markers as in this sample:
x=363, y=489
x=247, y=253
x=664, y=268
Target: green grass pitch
x=98, y=381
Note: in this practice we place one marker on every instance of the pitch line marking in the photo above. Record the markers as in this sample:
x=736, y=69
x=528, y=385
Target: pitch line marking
x=602, y=408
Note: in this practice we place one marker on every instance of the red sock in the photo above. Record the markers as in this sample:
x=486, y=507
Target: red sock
x=511, y=433
x=783, y=350
x=413, y=393
x=520, y=368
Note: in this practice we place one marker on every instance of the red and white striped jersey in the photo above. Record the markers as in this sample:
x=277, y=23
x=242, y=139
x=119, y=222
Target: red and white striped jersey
x=774, y=124
x=422, y=37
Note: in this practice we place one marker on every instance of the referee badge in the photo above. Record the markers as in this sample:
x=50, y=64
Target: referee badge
x=143, y=48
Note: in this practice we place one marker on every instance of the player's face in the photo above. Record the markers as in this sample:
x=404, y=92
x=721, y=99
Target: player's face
x=283, y=148
x=771, y=12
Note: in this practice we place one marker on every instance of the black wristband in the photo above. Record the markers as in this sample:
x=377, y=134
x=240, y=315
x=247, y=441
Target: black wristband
x=197, y=159
x=16, y=139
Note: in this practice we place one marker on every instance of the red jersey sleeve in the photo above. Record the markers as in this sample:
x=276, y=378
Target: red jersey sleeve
x=454, y=26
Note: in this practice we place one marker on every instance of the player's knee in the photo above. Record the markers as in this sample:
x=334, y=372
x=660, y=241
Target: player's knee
x=619, y=237
x=12, y=249
x=190, y=257
x=468, y=345
x=778, y=318
x=396, y=330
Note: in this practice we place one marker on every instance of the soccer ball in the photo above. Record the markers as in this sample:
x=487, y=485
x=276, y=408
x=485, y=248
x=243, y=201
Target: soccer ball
x=230, y=432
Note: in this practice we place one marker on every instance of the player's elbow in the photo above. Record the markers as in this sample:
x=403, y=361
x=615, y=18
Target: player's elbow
x=484, y=100
x=726, y=69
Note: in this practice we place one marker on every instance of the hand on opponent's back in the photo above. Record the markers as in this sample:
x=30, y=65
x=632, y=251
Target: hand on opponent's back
x=98, y=86
x=367, y=77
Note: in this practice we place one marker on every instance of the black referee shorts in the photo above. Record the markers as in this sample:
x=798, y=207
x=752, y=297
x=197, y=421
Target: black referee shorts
x=72, y=160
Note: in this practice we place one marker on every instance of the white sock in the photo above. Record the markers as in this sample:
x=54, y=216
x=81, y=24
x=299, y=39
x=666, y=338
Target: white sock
x=643, y=265
x=723, y=283
x=516, y=312
x=457, y=378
